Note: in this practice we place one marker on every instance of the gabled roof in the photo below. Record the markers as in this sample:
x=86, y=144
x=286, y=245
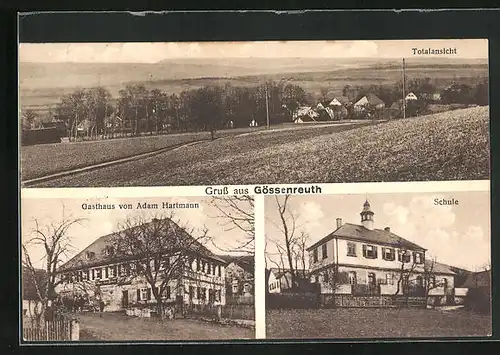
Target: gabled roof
x=376, y=236
x=339, y=100
x=247, y=262
x=97, y=250
x=373, y=100
x=438, y=268
x=478, y=279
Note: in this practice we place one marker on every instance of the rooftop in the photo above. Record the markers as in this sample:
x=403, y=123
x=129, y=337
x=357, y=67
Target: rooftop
x=376, y=236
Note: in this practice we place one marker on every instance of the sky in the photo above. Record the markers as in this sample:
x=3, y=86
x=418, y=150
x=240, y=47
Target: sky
x=455, y=235
x=97, y=223
x=145, y=52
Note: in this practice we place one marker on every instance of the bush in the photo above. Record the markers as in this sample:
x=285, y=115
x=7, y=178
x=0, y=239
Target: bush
x=478, y=300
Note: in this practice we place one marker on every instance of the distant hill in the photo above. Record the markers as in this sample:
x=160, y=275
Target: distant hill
x=42, y=84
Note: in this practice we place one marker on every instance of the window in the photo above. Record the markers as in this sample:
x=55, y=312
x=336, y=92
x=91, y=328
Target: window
x=352, y=277
x=351, y=249
x=369, y=251
x=98, y=273
x=389, y=279
x=108, y=251
x=315, y=255
x=143, y=294
x=246, y=288
x=419, y=281
x=326, y=277
x=112, y=271
x=324, y=251
x=432, y=282
x=388, y=254
x=404, y=256
x=86, y=274
x=93, y=274
x=235, y=287
x=417, y=257
x=316, y=278
x=218, y=270
x=191, y=292
x=372, y=281
x=198, y=293
x=203, y=293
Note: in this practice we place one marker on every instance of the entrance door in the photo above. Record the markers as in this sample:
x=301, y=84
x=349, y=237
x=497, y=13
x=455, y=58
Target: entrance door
x=125, y=298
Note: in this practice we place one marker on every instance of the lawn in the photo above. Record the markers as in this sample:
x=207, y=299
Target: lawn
x=118, y=327
x=374, y=323
x=446, y=146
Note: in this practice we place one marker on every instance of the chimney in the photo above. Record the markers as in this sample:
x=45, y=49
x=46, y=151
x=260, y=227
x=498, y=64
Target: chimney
x=387, y=229
x=339, y=222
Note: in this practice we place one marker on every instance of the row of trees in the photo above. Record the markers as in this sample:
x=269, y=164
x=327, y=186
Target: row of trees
x=139, y=110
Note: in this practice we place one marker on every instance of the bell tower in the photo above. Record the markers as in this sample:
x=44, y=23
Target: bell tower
x=367, y=216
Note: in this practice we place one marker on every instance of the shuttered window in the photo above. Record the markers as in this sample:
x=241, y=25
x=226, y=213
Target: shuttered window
x=324, y=251
x=388, y=254
x=351, y=249
x=370, y=251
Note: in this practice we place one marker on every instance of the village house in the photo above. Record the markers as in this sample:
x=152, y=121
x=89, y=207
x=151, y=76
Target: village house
x=411, y=96
x=371, y=261
x=340, y=101
x=239, y=278
x=369, y=101
x=305, y=114
x=97, y=273
x=280, y=280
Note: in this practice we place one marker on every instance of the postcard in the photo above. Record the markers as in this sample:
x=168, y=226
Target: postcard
x=254, y=191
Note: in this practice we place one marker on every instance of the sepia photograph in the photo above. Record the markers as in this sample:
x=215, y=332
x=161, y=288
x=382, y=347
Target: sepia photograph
x=132, y=269
x=393, y=265
x=219, y=113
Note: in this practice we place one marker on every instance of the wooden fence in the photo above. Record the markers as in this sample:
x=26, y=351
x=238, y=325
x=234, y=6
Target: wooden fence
x=238, y=311
x=62, y=329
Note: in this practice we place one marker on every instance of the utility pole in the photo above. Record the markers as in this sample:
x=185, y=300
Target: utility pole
x=267, y=108
x=404, y=95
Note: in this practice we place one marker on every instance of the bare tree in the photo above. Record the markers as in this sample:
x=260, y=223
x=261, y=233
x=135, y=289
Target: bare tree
x=55, y=242
x=429, y=279
x=333, y=278
x=406, y=270
x=237, y=213
x=161, y=252
x=290, y=244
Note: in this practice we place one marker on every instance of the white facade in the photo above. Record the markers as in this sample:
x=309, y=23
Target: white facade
x=372, y=263
x=203, y=281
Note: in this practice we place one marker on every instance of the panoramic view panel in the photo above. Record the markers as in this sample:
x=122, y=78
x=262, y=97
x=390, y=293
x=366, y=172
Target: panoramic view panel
x=163, y=114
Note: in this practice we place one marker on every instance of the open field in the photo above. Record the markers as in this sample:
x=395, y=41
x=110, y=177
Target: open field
x=43, y=84
x=119, y=327
x=452, y=145
x=38, y=160
x=345, y=323
x=43, y=159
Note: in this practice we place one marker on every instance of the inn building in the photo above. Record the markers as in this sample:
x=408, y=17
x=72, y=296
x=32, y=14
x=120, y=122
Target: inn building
x=97, y=273
x=371, y=261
